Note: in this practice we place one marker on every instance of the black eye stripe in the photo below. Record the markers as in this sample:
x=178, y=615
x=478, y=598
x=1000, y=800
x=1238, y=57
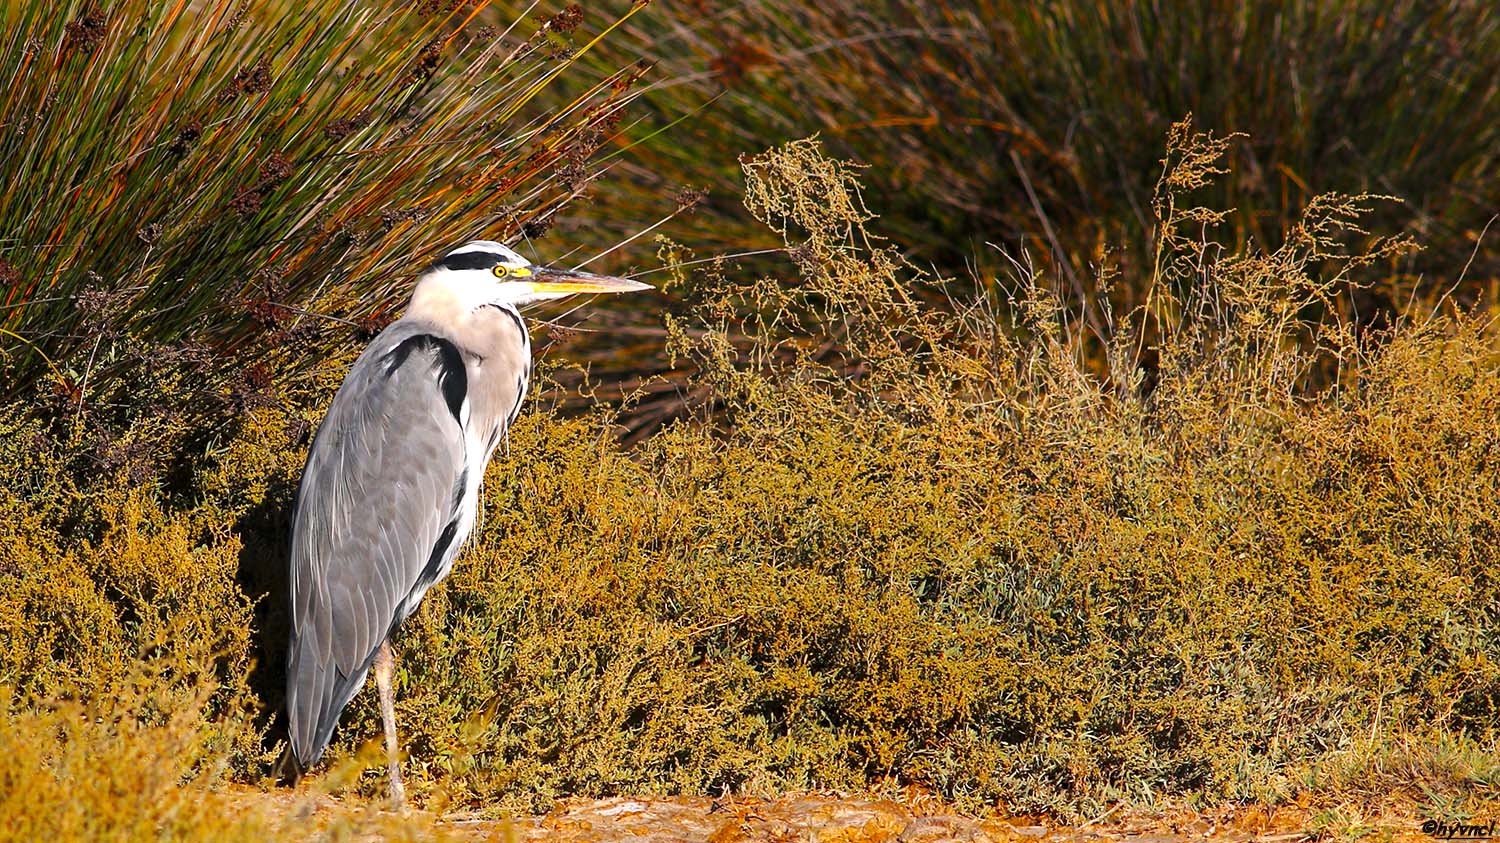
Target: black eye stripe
x=472, y=260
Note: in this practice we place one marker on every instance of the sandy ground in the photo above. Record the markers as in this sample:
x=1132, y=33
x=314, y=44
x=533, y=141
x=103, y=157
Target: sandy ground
x=811, y=817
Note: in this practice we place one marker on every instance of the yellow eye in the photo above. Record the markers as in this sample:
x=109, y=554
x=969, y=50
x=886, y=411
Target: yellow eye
x=520, y=271
x=500, y=270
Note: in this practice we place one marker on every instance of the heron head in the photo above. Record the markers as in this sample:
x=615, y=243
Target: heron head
x=483, y=272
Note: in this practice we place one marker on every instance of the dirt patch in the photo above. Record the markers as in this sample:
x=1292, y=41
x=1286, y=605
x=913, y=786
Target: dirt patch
x=819, y=818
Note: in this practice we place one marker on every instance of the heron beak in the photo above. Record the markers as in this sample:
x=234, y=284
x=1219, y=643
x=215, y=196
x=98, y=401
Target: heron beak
x=549, y=280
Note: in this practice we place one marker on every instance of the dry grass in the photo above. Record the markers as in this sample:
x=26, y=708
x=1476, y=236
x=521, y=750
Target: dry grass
x=1039, y=126
x=973, y=550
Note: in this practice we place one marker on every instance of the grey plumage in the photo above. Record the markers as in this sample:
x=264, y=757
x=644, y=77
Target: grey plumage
x=360, y=557
x=391, y=487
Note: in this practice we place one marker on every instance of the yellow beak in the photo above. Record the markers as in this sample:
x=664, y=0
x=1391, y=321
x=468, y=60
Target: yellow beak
x=549, y=280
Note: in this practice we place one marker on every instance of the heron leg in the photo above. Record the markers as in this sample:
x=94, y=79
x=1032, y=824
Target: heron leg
x=385, y=672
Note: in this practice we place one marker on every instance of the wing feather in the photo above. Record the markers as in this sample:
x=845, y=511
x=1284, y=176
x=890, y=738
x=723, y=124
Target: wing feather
x=373, y=502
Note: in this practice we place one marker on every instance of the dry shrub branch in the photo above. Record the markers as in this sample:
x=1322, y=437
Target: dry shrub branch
x=1000, y=550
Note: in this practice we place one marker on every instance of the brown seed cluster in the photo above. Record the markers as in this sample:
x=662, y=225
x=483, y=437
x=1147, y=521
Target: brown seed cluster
x=133, y=457
x=187, y=136
x=246, y=203
x=273, y=171
x=86, y=31
x=343, y=128
x=551, y=35
x=441, y=7
x=392, y=217
x=98, y=306
x=253, y=388
x=537, y=227
x=625, y=81
x=193, y=354
x=567, y=20
x=238, y=18
x=689, y=197
x=573, y=173
x=562, y=336
x=255, y=79
x=369, y=326
x=266, y=313
x=265, y=304
x=426, y=62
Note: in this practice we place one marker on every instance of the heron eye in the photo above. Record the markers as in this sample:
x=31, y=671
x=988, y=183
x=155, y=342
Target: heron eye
x=500, y=270
x=519, y=271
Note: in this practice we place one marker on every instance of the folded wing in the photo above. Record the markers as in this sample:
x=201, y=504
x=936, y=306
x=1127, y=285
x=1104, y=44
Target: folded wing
x=376, y=508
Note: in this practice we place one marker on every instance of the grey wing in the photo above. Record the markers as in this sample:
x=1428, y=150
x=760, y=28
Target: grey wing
x=377, y=502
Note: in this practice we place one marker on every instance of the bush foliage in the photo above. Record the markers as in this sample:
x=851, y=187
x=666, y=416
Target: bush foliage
x=972, y=550
x=989, y=121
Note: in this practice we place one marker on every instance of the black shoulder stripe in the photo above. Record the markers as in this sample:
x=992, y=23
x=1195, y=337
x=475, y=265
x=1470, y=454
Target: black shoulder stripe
x=452, y=378
x=515, y=411
x=459, y=487
x=472, y=260
x=429, y=574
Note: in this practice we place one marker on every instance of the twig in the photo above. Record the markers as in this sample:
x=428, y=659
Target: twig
x=1478, y=241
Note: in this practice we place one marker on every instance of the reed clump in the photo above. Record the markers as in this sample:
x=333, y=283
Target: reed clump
x=220, y=181
x=989, y=121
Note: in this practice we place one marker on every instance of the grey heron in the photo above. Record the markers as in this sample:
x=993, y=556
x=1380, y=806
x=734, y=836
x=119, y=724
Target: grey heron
x=391, y=486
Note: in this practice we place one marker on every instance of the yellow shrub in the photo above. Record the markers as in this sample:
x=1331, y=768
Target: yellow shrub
x=960, y=551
